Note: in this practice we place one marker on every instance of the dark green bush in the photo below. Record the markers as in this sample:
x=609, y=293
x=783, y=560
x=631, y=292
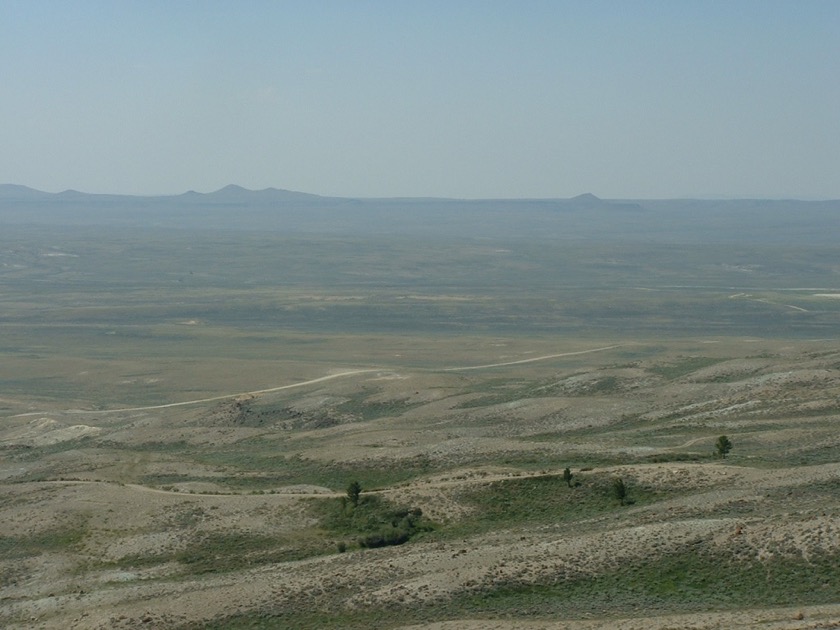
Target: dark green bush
x=373, y=522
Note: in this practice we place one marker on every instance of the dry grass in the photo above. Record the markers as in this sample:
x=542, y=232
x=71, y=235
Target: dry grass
x=207, y=515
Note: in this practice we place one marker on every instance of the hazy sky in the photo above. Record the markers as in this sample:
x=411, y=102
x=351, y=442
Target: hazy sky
x=423, y=98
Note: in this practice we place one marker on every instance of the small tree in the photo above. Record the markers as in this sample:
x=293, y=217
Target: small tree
x=620, y=490
x=723, y=446
x=567, y=477
x=353, y=492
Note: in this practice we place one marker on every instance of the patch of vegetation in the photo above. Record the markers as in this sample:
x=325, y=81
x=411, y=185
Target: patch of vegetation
x=276, y=469
x=683, y=366
x=663, y=458
x=595, y=385
x=166, y=479
x=34, y=453
x=154, y=446
x=823, y=492
x=356, y=407
x=362, y=408
x=687, y=581
x=300, y=617
x=497, y=392
x=52, y=540
x=604, y=385
x=544, y=499
x=531, y=461
x=505, y=392
x=684, y=582
x=370, y=521
x=779, y=412
x=184, y=516
x=805, y=456
x=731, y=377
x=229, y=551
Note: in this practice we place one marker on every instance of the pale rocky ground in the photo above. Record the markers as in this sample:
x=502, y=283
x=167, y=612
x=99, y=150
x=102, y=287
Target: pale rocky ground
x=743, y=505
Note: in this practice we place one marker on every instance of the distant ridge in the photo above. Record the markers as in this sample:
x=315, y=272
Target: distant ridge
x=231, y=192
x=231, y=189
x=585, y=217
x=234, y=192
x=8, y=191
x=591, y=203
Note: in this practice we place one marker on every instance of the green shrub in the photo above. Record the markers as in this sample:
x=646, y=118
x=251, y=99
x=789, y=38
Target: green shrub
x=372, y=522
x=567, y=476
x=723, y=446
x=620, y=490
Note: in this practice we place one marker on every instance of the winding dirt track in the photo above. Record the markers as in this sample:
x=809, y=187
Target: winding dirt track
x=532, y=360
x=320, y=379
x=226, y=396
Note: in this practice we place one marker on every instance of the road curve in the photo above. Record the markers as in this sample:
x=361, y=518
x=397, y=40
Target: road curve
x=320, y=379
x=226, y=396
x=531, y=360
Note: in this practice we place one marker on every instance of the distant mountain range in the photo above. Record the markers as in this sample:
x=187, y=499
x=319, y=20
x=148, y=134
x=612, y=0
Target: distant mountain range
x=228, y=193
x=238, y=194
x=583, y=217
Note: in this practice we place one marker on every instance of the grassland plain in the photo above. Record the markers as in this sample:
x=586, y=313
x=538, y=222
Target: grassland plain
x=173, y=455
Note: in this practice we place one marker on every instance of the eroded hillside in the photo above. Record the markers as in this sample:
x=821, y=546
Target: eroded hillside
x=234, y=512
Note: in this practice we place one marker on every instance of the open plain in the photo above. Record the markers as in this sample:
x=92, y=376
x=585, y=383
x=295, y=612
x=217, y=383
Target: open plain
x=182, y=414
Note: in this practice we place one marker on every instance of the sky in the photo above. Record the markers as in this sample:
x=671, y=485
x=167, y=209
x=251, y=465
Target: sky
x=468, y=99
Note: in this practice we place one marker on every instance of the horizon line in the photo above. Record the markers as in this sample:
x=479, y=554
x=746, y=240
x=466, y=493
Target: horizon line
x=586, y=195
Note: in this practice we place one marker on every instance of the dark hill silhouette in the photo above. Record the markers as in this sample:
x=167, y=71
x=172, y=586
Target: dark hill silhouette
x=590, y=202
